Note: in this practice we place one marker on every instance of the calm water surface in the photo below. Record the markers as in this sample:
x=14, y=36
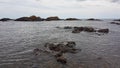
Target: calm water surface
x=18, y=39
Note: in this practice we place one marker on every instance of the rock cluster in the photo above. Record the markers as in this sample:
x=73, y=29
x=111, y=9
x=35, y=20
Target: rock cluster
x=58, y=49
x=31, y=18
x=62, y=48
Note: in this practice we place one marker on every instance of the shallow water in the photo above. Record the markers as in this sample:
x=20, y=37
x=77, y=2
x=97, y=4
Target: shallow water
x=18, y=39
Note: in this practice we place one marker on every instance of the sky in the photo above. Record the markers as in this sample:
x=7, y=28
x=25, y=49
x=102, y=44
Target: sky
x=62, y=8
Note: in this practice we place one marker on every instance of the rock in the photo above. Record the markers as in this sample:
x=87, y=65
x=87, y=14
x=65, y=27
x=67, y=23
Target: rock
x=72, y=19
x=115, y=23
x=52, y=18
x=5, y=19
x=31, y=18
x=92, y=19
x=103, y=30
x=61, y=59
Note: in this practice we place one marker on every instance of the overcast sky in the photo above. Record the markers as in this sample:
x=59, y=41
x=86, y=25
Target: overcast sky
x=61, y=8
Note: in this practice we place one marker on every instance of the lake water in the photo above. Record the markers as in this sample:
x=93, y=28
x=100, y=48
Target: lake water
x=18, y=39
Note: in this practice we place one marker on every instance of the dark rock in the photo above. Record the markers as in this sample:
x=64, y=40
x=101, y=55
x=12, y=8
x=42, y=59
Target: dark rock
x=103, y=30
x=52, y=18
x=61, y=59
x=72, y=19
x=92, y=19
x=31, y=18
x=5, y=19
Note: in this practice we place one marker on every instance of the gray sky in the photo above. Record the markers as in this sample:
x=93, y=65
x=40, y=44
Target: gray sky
x=61, y=8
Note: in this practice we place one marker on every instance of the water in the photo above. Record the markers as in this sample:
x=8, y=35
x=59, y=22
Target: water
x=18, y=39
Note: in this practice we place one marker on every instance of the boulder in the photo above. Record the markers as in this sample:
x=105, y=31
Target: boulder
x=52, y=18
x=31, y=18
x=103, y=30
x=72, y=19
x=5, y=19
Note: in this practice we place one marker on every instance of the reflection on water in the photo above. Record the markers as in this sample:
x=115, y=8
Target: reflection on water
x=18, y=39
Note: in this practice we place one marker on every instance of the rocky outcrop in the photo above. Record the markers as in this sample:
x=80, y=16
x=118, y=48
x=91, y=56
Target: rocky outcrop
x=5, y=19
x=70, y=19
x=52, y=18
x=92, y=19
x=31, y=18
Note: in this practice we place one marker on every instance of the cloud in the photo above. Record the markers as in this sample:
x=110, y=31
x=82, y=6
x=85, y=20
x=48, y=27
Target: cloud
x=62, y=8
